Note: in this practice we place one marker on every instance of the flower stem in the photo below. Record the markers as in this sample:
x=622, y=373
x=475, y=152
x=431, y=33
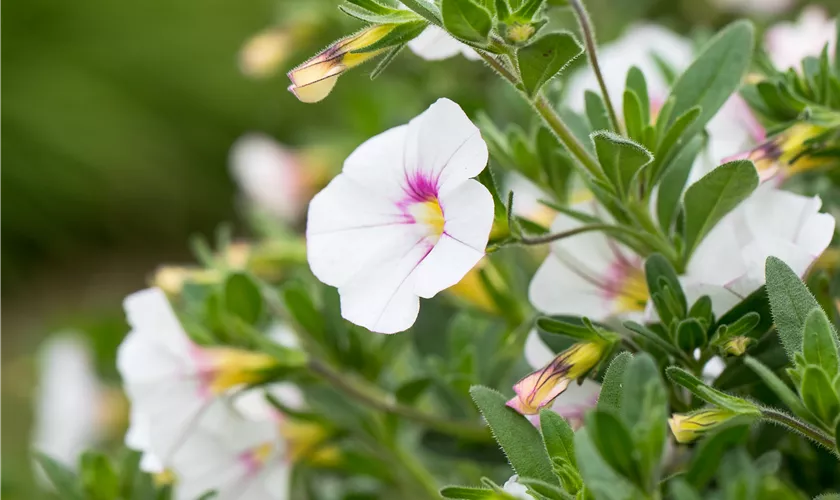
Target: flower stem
x=592, y=54
x=548, y=238
x=550, y=117
x=797, y=425
x=374, y=398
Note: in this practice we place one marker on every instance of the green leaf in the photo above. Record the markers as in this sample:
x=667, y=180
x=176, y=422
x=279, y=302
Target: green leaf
x=819, y=343
x=615, y=445
x=636, y=82
x=704, y=463
x=63, y=479
x=596, y=112
x=467, y=493
x=790, y=302
x=397, y=37
x=427, y=10
x=715, y=74
x=633, y=116
x=690, y=335
x=243, y=298
x=709, y=394
x=785, y=393
x=672, y=141
x=371, y=6
x=681, y=490
x=819, y=395
x=544, y=58
x=558, y=327
x=390, y=16
x=714, y=196
x=521, y=442
x=620, y=158
x=408, y=392
x=386, y=61
x=558, y=436
x=611, y=388
x=99, y=480
x=600, y=479
x=662, y=281
x=466, y=20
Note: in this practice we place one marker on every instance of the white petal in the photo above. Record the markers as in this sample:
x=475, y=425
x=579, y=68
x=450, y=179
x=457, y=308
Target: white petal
x=434, y=44
x=382, y=298
x=468, y=212
x=152, y=318
x=713, y=368
x=717, y=259
x=379, y=164
x=350, y=229
x=444, y=145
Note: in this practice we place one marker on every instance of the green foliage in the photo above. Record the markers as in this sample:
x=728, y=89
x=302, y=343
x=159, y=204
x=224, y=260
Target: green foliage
x=544, y=58
x=621, y=159
x=467, y=20
x=715, y=195
x=790, y=302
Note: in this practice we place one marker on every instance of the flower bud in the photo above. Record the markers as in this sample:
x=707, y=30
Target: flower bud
x=687, y=427
x=540, y=388
x=789, y=152
x=736, y=346
x=313, y=80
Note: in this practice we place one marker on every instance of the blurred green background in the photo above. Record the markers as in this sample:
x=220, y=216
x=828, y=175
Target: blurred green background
x=117, y=120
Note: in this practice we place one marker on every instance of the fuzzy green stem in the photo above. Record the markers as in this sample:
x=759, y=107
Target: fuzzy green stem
x=550, y=117
x=374, y=398
x=797, y=425
x=592, y=54
x=548, y=238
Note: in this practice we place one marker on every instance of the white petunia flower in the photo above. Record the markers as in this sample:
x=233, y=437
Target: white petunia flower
x=404, y=219
x=589, y=275
x=788, y=43
x=270, y=176
x=170, y=380
x=729, y=263
x=434, y=44
x=68, y=399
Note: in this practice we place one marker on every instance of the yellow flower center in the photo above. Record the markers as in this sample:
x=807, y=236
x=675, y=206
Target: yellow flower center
x=304, y=441
x=225, y=367
x=430, y=215
x=632, y=293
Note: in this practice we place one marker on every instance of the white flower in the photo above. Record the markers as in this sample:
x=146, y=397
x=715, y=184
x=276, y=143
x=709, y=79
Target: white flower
x=270, y=175
x=757, y=7
x=516, y=489
x=434, y=44
x=788, y=43
x=68, y=399
x=404, y=219
x=729, y=262
x=588, y=275
x=170, y=380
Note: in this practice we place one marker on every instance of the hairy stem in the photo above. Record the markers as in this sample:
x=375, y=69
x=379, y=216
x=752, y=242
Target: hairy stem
x=797, y=425
x=592, y=54
x=548, y=238
x=374, y=398
x=550, y=117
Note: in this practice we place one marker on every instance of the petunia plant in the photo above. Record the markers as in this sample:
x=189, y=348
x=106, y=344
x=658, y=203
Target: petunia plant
x=605, y=313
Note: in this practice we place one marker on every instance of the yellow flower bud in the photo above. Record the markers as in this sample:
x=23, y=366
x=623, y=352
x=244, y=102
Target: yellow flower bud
x=788, y=153
x=313, y=80
x=305, y=442
x=226, y=367
x=687, y=427
x=541, y=387
x=736, y=346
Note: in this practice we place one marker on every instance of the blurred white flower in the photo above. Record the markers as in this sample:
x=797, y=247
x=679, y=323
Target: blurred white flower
x=588, y=275
x=639, y=46
x=270, y=175
x=755, y=7
x=170, y=380
x=434, y=44
x=264, y=52
x=68, y=399
x=404, y=219
x=516, y=489
x=788, y=43
x=729, y=263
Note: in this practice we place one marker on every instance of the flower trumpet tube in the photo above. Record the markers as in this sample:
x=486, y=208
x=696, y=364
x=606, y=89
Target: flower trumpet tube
x=687, y=427
x=313, y=80
x=540, y=388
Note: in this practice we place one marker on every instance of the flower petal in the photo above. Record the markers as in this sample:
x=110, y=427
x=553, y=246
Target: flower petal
x=537, y=353
x=378, y=164
x=350, y=229
x=434, y=44
x=382, y=298
x=468, y=211
x=443, y=144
